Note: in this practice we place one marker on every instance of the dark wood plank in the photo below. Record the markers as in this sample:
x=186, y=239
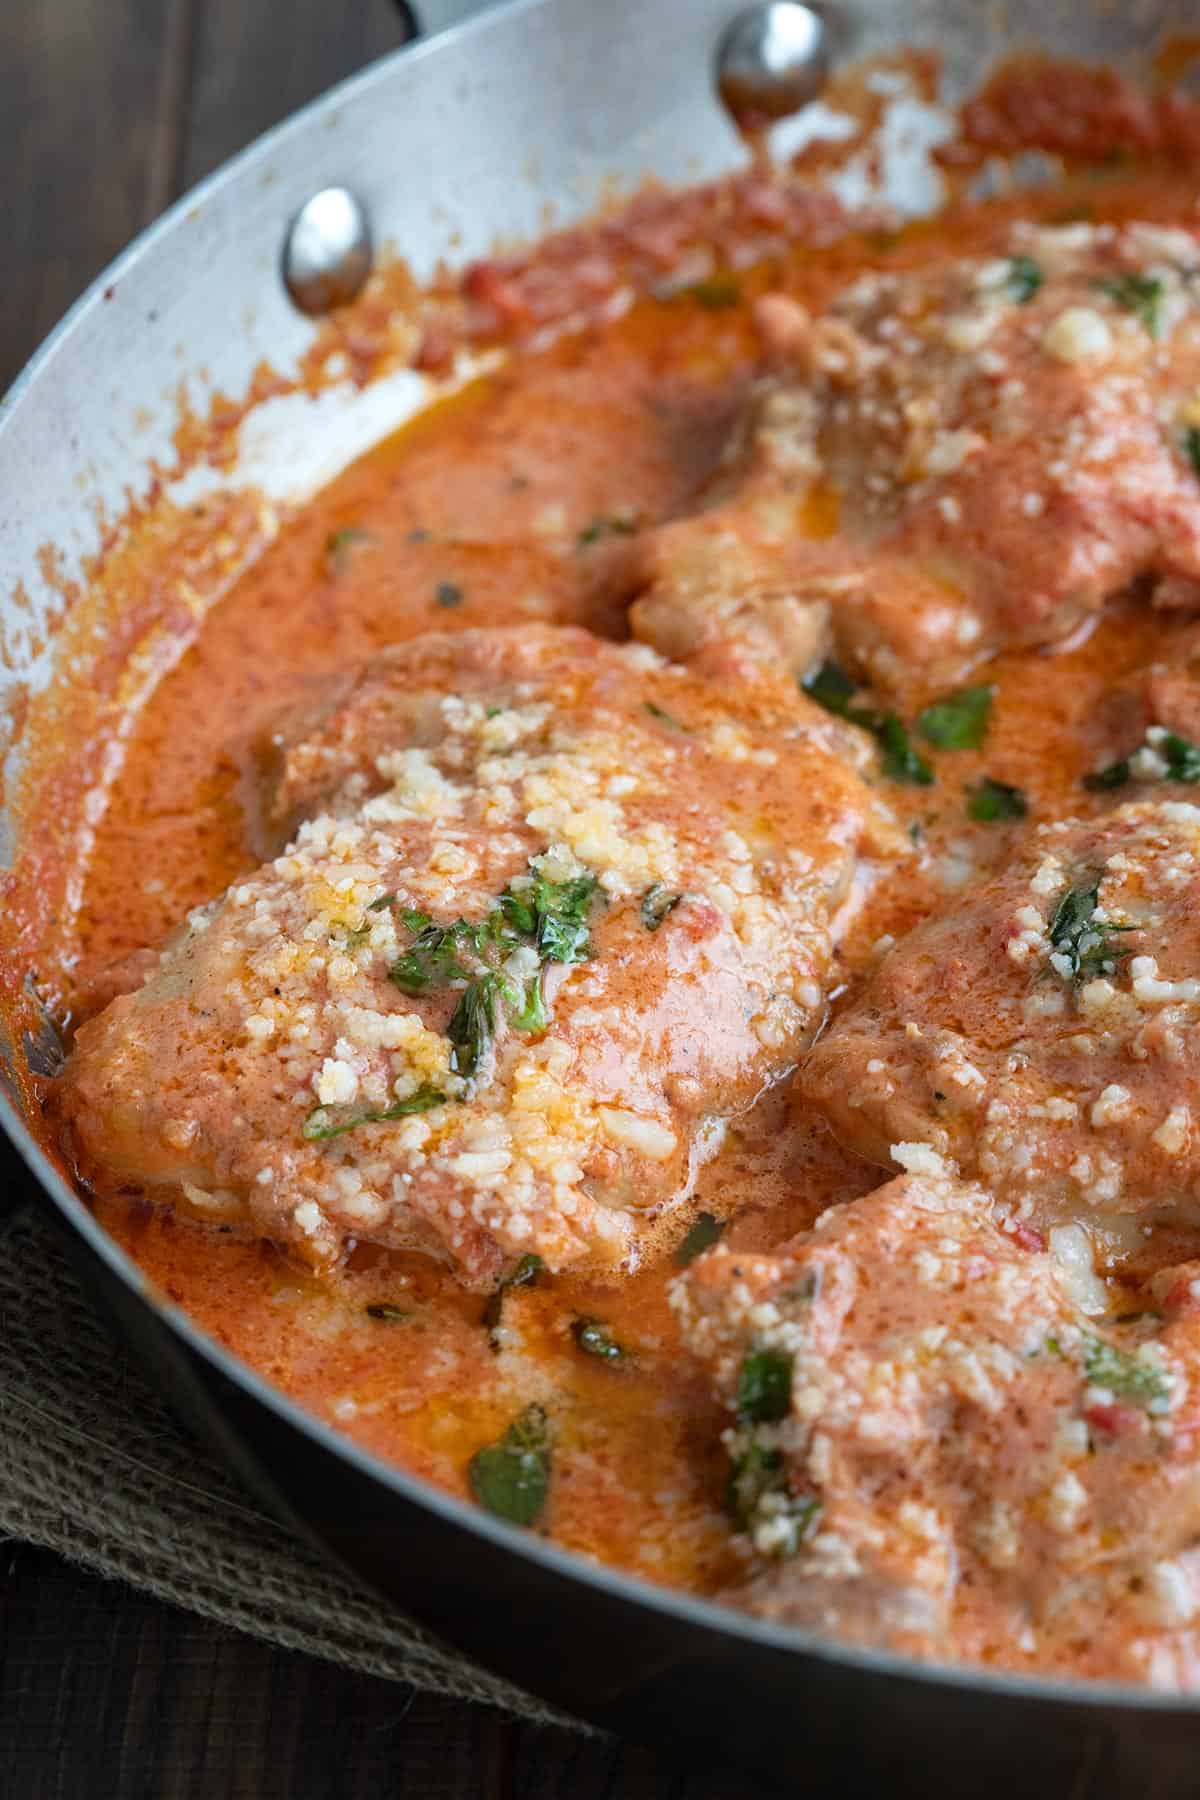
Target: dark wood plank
x=105, y=1692
x=89, y=95
x=254, y=64
x=558, y=1765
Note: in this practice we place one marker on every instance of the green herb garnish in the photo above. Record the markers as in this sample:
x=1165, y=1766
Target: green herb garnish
x=596, y=1339
x=382, y=904
x=1024, y=279
x=1141, y=295
x=511, y=1477
x=562, y=908
x=387, y=1313
x=472, y=1025
x=527, y=1273
x=1128, y=1377
x=1115, y=775
x=551, y=914
x=704, y=1233
x=760, y=1474
x=900, y=761
x=1181, y=756
x=959, y=722
x=1079, y=938
x=757, y=1473
x=605, y=525
x=833, y=689
x=339, y=546
x=323, y=1121
x=830, y=687
x=1191, y=446
x=436, y=954
x=990, y=800
x=764, y=1392
x=447, y=594
x=663, y=716
x=657, y=902
x=716, y=293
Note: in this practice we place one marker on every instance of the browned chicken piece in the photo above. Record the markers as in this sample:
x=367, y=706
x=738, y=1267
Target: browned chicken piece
x=556, y=910
x=1043, y=1033
x=933, y=1442
x=954, y=461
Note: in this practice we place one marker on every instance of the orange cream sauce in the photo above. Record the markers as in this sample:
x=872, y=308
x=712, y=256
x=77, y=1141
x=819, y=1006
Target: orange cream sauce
x=496, y=507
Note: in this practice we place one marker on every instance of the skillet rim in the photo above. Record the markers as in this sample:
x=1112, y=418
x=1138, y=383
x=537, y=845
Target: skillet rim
x=1048, y=1693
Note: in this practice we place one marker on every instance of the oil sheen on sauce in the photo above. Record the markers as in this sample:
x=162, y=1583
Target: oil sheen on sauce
x=461, y=520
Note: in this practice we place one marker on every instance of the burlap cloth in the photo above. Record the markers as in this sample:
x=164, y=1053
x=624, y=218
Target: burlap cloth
x=92, y=1465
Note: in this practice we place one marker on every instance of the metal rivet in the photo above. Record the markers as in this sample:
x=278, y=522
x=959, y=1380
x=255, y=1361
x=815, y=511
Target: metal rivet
x=327, y=252
x=772, y=61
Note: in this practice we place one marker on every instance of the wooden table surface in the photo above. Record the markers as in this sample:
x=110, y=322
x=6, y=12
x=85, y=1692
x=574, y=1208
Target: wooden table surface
x=108, y=110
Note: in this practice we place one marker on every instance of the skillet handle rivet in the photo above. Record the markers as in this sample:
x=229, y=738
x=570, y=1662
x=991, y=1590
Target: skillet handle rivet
x=327, y=252
x=773, y=60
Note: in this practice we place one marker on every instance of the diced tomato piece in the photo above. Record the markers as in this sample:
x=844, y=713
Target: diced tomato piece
x=1113, y=1418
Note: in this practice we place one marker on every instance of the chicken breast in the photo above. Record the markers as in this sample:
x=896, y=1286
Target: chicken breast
x=963, y=459
x=931, y=1442
x=555, y=911
x=1043, y=1033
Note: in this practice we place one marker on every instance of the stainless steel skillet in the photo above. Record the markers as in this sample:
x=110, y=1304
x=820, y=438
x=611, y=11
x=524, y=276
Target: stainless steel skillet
x=449, y=146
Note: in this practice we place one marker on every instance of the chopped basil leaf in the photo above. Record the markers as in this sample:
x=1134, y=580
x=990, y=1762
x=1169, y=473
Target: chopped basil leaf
x=716, y=293
x=527, y=1272
x=899, y=760
x=759, y=1475
x=1191, y=446
x=511, y=1477
x=472, y=1025
x=833, y=689
x=605, y=525
x=705, y=1232
x=1179, y=754
x=562, y=906
x=990, y=800
x=1076, y=936
x=764, y=1387
x=323, y=1121
x=382, y=904
x=1141, y=295
x=959, y=722
x=435, y=955
x=830, y=687
x=1128, y=1377
x=596, y=1339
x=527, y=1006
x=657, y=902
x=663, y=717
x=1115, y=775
x=1181, y=757
x=387, y=1313
x=551, y=913
x=339, y=546
x=447, y=594
x=1025, y=277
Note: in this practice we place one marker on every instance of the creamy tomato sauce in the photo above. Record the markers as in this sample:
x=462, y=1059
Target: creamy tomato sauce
x=458, y=521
